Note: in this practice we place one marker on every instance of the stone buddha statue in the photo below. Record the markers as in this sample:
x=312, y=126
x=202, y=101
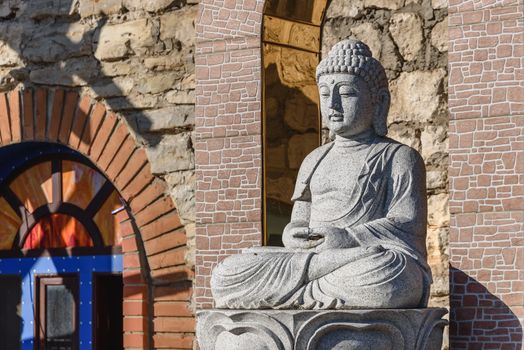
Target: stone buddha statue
x=357, y=234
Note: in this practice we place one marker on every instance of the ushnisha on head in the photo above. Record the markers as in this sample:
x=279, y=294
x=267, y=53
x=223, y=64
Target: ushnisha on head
x=353, y=57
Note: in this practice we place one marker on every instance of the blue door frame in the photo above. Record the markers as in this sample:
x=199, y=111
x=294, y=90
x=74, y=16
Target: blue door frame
x=84, y=266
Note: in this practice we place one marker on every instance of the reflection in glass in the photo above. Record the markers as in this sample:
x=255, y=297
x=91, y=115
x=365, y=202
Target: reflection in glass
x=10, y=224
x=60, y=318
x=80, y=183
x=58, y=231
x=34, y=187
x=107, y=223
x=310, y=11
x=291, y=114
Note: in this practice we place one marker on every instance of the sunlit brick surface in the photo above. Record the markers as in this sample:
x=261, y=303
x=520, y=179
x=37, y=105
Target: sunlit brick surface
x=228, y=135
x=486, y=174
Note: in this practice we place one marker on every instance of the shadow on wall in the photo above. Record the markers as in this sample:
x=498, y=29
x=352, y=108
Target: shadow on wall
x=480, y=320
x=49, y=43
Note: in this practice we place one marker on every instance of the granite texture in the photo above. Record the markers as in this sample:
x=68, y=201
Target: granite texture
x=356, y=239
x=401, y=329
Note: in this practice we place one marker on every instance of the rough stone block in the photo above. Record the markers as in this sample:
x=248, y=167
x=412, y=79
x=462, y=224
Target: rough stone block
x=154, y=84
x=10, y=41
x=5, y=9
x=179, y=25
x=406, y=29
x=49, y=8
x=439, y=35
x=345, y=9
x=183, y=184
x=118, y=86
x=147, y=5
x=416, y=96
x=173, y=153
x=133, y=101
x=400, y=329
x=387, y=4
x=73, y=72
x=158, y=120
x=94, y=7
x=111, y=69
x=126, y=39
x=181, y=97
x=59, y=42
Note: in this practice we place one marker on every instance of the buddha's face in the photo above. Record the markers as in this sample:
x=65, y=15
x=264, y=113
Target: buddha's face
x=346, y=104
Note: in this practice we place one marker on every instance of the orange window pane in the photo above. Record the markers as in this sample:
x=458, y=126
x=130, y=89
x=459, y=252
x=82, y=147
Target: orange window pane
x=80, y=183
x=107, y=223
x=10, y=223
x=58, y=231
x=34, y=187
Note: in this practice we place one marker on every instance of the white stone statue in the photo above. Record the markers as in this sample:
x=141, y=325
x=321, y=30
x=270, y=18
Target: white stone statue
x=358, y=228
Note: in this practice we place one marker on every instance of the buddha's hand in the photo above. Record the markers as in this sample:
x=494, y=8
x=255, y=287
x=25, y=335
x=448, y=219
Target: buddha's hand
x=333, y=238
x=300, y=238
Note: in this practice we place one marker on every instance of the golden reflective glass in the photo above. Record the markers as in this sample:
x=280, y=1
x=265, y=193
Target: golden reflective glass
x=80, y=183
x=58, y=231
x=34, y=187
x=291, y=112
x=284, y=32
x=80, y=186
x=10, y=225
x=108, y=223
x=309, y=11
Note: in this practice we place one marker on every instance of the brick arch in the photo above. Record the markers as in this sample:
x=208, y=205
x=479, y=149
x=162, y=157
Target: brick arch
x=157, y=282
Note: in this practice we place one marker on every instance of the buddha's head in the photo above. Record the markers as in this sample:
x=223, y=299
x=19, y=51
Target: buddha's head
x=354, y=94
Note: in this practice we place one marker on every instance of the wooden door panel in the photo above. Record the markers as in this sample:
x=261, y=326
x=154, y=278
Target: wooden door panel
x=57, y=313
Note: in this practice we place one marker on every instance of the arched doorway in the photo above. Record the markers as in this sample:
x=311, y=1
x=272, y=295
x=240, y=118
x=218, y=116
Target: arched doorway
x=60, y=249
x=151, y=228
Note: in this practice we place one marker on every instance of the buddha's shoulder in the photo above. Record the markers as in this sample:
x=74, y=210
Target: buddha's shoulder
x=317, y=154
x=313, y=158
x=401, y=154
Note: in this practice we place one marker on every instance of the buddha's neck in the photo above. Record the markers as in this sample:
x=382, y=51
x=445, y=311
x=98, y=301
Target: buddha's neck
x=361, y=140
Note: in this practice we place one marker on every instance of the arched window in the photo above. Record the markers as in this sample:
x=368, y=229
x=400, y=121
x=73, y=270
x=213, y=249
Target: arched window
x=291, y=120
x=60, y=244
x=55, y=198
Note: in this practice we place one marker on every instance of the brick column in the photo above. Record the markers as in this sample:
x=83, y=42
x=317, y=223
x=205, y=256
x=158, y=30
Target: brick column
x=228, y=130
x=486, y=102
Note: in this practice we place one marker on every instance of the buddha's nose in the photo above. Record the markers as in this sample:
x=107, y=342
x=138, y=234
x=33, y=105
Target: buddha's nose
x=334, y=102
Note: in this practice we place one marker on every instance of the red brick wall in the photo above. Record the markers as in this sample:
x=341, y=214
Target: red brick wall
x=158, y=312
x=486, y=103
x=228, y=129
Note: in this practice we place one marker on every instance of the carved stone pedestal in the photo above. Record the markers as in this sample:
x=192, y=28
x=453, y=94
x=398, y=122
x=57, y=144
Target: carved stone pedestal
x=391, y=329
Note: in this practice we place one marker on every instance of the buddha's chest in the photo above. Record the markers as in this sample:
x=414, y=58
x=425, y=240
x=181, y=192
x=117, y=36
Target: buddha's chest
x=337, y=175
x=335, y=185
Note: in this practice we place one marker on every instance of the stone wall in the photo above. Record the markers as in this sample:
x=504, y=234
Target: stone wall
x=137, y=59
x=410, y=38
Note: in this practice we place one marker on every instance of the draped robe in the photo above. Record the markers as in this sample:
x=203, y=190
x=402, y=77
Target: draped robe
x=385, y=214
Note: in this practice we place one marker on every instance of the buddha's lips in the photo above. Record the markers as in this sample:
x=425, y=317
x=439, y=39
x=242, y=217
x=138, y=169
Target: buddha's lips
x=336, y=117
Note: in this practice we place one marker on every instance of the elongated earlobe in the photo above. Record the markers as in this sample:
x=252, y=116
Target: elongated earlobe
x=381, y=112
